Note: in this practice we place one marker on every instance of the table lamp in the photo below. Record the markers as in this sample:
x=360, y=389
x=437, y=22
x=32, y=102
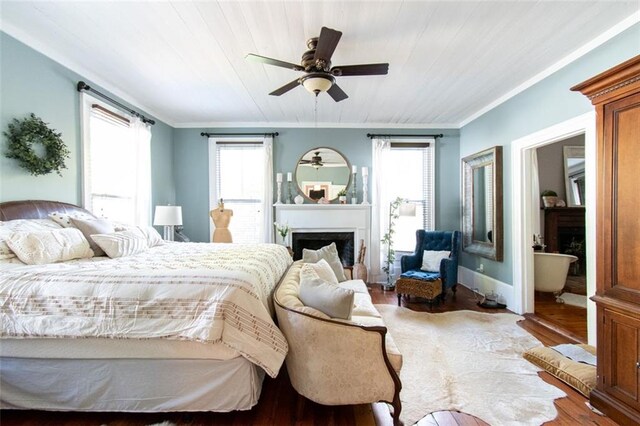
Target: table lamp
x=168, y=216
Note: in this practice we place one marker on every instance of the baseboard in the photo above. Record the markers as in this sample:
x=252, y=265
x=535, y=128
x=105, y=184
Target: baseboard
x=475, y=280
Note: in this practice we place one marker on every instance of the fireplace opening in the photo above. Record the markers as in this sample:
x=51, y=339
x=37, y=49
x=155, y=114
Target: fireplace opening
x=315, y=240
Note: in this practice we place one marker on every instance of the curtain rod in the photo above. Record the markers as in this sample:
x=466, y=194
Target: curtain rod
x=84, y=86
x=239, y=134
x=372, y=135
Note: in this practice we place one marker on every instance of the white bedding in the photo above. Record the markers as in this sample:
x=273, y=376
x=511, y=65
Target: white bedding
x=212, y=293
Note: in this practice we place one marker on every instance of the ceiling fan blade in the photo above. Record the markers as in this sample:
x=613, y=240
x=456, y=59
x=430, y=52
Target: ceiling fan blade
x=327, y=43
x=284, y=89
x=365, y=69
x=271, y=61
x=336, y=93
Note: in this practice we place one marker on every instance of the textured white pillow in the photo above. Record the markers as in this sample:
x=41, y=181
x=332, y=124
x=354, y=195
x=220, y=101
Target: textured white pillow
x=57, y=245
x=321, y=270
x=152, y=236
x=64, y=219
x=328, y=253
x=123, y=243
x=431, y=260
x=25, y=225
x=329, y=299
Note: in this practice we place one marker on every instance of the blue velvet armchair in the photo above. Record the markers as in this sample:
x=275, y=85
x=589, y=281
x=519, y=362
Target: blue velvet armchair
x=437, y=241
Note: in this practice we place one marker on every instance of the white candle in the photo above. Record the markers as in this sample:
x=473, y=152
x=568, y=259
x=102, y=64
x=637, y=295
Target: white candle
x=354, y=169
x=365, y=171
x=279, y=178
x=289, y=177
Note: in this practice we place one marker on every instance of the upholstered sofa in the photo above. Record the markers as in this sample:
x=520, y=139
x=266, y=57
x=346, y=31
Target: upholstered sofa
x=335, y=361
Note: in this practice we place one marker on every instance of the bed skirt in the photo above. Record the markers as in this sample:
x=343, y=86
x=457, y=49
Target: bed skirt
x=132, y=385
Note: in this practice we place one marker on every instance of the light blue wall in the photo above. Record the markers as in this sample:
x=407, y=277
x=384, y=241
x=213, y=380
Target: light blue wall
x=192, y=170
x=547, y=103
x=31, y=82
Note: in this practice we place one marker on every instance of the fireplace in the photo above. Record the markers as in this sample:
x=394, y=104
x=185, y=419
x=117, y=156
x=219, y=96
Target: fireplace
x=315, y=240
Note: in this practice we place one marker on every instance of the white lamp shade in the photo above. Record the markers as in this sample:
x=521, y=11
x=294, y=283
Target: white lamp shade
x=407, y=209
x=168, y=215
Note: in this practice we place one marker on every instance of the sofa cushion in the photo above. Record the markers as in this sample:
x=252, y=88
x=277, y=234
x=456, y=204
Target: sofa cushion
x=328, y=253
x=320, y=269
x=363, y=306
x=329, y=299
x=421, y=275
x=358, y=286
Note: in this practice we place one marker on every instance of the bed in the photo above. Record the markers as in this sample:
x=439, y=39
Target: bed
x=178, y=327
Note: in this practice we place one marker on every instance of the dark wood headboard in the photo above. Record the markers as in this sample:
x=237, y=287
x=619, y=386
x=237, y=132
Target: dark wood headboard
x=35, y=209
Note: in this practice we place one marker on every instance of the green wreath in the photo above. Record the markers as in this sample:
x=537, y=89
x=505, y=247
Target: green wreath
x=24, y=133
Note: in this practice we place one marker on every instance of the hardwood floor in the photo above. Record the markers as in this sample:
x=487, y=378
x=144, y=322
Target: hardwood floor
x=281, y=405
x=571, y=319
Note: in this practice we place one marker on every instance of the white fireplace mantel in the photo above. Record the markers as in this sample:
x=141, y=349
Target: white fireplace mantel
x=354, y=218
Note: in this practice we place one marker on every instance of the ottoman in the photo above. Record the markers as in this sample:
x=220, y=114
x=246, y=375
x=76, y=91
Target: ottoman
x=429, y=289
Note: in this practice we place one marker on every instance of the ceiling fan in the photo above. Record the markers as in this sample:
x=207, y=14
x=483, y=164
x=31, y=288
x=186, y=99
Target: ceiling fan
x=316, y=65
x=316, y=160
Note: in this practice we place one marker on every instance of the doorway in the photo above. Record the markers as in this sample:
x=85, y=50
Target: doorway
x=525, y=215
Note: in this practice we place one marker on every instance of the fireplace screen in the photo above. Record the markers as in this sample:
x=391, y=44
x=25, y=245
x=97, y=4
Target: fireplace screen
x=315, y=240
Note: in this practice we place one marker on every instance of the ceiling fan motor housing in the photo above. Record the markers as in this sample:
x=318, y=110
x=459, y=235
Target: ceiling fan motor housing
x=309, y=63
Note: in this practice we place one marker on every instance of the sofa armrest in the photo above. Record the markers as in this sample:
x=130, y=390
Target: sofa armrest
x=409, y=262
x=449, y=272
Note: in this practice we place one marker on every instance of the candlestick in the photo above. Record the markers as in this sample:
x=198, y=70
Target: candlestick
x=289, y=200
x=354, y=196
x=365, y=171
x=364, y=189
x=354, y=169
x=279, y=177
x=279, y=191
x=289, y=177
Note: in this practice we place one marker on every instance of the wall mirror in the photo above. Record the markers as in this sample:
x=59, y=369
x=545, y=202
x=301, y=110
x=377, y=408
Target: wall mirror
x=574, y=175
x=322, y=172
x=482, y=203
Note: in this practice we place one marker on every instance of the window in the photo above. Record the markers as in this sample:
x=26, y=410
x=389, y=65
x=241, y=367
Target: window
x=410, y=174
x=117, y=164
x=237, y=174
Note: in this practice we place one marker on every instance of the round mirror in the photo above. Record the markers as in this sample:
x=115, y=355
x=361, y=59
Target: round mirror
x=322, y=172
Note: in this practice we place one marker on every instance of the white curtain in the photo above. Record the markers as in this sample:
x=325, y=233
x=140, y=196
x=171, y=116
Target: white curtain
x=267, y=200
x=535, y=195
x=142, y=138
x=379, y=207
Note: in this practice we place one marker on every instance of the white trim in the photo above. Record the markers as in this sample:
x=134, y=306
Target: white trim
x=83, y=72
x=272, y=124
x=484, y=284
x=586, y=48
x=523, y=215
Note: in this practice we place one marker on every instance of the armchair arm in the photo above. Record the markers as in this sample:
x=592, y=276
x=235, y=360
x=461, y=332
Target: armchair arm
x=449, y=272
x=409, y=262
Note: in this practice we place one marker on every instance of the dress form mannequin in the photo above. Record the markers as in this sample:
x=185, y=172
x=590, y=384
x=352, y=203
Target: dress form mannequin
x=221, y=218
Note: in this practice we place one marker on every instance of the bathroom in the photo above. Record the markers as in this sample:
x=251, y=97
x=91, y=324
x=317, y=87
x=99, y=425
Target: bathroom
x=559, y=237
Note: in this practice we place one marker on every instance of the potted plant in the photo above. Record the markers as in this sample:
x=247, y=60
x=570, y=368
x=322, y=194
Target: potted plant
x=549, y=198
x=342, y=196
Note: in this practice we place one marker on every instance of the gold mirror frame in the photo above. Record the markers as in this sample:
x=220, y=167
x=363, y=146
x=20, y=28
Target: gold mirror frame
x=492, y=247
x=323, y=184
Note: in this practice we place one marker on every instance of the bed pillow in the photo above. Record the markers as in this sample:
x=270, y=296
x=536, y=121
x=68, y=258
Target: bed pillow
x=431, y=260
x=153, y=237
x=321, y=270
x=93, y=226
x=329, y=299
x=57, y=245
x=121, y=244
x=11, y=226
x=64, y=219
x=328, y=253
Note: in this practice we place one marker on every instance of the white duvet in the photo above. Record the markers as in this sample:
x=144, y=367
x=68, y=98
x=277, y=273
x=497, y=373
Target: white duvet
x=216, y=293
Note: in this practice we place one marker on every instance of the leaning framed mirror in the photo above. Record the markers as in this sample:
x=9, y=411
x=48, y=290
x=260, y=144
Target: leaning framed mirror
x=574, y=177
x=482, y=204
x=322, y=172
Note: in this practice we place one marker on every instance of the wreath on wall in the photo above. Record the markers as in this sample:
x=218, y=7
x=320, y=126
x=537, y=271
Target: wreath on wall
x=23, y=134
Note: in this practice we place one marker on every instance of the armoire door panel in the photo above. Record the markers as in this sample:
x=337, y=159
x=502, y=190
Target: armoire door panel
x=621, y=374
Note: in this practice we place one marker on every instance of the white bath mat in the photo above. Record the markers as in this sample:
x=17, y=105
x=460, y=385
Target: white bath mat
x=574, y=300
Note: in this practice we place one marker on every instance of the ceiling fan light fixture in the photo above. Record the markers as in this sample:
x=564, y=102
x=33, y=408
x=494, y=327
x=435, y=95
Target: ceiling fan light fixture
x=317, y=83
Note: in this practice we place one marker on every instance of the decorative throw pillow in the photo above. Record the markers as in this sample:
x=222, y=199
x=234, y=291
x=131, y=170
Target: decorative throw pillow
x=152, y=236
x=121, y=244
x=57, y=245
x=94, y=226
x=329, y=299
x=24, y=225
x=320, y=270
x=64, y=219
x=431, y=260
x=328, y=253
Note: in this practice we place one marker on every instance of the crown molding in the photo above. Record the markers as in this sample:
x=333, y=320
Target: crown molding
x=275, y=124
x=586, y=48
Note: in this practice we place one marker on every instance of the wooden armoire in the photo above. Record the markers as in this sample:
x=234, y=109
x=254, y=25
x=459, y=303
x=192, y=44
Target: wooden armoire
x=616, y=96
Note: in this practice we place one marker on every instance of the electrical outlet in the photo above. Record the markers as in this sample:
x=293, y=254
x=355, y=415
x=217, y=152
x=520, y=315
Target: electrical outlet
x=480, y=268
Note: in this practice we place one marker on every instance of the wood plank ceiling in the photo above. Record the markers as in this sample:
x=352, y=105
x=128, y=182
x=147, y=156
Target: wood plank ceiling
x=184, y=61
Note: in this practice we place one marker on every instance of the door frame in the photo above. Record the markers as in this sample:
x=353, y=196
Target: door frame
x=523, y=215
